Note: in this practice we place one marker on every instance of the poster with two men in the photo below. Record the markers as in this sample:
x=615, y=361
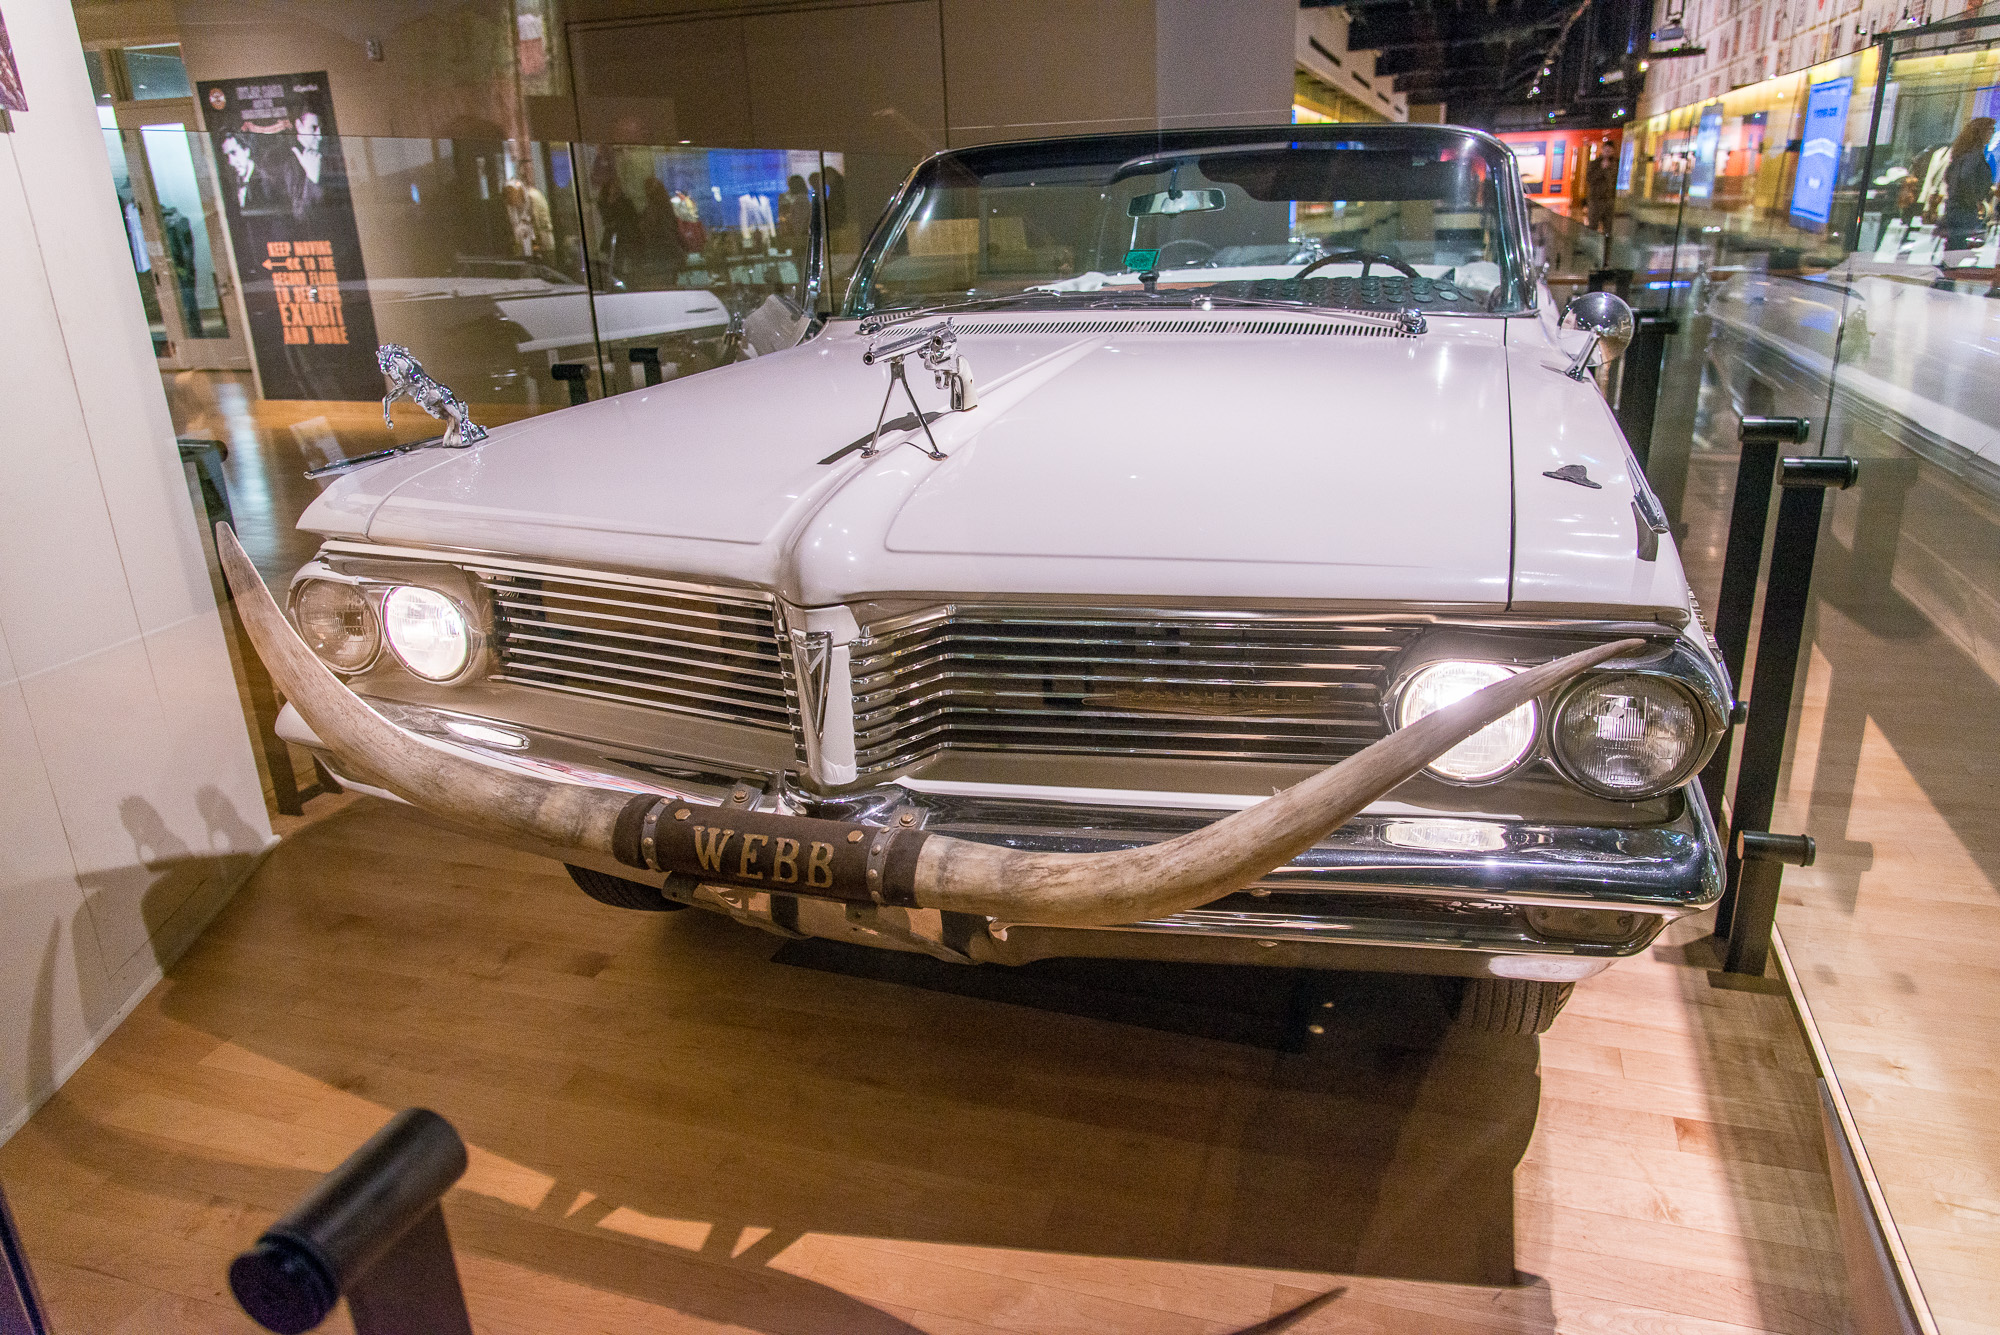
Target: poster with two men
x=291, y=221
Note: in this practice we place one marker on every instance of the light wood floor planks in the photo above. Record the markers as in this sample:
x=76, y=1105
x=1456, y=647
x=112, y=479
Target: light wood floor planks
x=672, y=1132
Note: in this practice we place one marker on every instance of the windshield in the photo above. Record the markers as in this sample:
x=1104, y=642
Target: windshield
x=1386, y=218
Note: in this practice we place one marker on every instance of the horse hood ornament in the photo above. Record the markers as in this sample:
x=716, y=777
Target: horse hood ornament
x=407, y=379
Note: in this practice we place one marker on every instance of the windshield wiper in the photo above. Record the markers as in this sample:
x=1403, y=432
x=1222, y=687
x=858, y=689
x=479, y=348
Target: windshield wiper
x=879, y=319
x=1409, y=321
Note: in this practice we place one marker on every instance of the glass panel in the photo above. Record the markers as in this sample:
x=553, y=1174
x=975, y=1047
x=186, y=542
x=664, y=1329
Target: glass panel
x=183, y=219
x=685, y=240
x=1858, y=285
x=1385, y=218
x=94, y=63
x=134, y=222
x=156, y=72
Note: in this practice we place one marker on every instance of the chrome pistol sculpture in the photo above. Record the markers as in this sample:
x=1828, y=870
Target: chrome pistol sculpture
x=937, y=345
x=408, y=380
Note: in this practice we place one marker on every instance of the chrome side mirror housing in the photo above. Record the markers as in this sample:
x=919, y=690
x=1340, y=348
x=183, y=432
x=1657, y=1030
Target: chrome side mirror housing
x=1607, y=319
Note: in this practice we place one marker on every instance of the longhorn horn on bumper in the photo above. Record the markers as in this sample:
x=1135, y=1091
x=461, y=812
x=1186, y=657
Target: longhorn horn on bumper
x=862, y=863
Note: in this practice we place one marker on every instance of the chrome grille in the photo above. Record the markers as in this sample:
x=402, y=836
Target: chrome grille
x=1225, y=688
x=705, y=652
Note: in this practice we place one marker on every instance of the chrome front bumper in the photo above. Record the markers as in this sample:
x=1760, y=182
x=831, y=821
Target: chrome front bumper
x=1391, y=890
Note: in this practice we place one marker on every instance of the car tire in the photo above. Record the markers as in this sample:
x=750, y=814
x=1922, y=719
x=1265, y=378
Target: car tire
x=620, y=893
x=1510, y=1005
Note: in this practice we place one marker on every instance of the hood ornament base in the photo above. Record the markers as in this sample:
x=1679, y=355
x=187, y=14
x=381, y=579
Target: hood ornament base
x=938, y=346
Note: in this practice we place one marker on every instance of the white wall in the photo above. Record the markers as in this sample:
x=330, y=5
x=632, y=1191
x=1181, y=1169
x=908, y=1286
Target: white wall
x=1224, y=64
x=130, y=798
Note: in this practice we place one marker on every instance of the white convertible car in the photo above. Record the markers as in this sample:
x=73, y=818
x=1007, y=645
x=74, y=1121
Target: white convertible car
x=1028, y=605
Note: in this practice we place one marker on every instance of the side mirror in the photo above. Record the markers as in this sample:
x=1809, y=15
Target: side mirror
x=1608, y=321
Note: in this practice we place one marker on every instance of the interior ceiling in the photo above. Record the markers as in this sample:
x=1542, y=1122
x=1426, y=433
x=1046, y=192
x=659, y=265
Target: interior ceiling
x=1483, y=57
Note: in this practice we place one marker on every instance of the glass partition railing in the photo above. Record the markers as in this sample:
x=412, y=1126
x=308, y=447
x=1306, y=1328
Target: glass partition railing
x=1828, y=242
x=521, y=275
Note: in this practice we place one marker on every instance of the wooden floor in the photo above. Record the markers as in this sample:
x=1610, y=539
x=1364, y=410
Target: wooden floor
x=672, y=1132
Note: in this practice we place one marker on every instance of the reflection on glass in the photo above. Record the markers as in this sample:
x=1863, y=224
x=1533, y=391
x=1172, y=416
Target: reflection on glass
x=1383, y=217
x=1854, y=279
x=134, y=224
x=156, y=72
x=182, y=219
x=100, y=79
x=697, y=255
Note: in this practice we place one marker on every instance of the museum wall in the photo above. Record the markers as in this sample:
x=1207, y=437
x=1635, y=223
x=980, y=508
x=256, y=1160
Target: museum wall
x=861, y=76
x=132, y=801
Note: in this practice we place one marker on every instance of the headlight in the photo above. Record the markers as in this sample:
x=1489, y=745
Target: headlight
x=427, y=630
x=336, y=621
x=1628, y=736
x=1488, y=753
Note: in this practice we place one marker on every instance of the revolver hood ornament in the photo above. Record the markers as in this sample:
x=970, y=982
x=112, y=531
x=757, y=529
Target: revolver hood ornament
x=850, y=861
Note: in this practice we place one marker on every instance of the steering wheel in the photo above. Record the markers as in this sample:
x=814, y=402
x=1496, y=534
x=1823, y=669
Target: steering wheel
x=1208, y=253
x=1367, y=257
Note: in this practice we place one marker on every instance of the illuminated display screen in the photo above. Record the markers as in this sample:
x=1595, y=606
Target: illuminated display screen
x=1819, y=156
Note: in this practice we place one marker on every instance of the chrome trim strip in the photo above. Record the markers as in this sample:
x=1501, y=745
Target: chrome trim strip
x=476, y=561
x=711, y=683
x=751, y=666
x=694, y=613
x=779, y=724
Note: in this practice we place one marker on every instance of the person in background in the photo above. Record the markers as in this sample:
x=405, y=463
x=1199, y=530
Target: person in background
x=1968, y=187
x=794, y=213
x=619, y=238
x=1600, y=187
x=528, y=217
x=666, y=253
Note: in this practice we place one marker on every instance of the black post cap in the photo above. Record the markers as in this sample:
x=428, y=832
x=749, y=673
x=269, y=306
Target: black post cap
x=1780, y=430
x=283, y=1286
x=1763, y=846
x=297, y=1271
x=1835, y=471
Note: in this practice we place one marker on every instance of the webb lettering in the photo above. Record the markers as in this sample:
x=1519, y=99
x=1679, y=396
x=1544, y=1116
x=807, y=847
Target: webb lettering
x=708, y=851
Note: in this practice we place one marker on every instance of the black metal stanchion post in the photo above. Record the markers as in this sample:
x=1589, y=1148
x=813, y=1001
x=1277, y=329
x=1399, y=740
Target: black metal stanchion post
x=370, y=1231
x=20, y=1305
x=1639, y=381
x=649, y=359
x=1780, y=636
x=577, y=375
x=1743, y=557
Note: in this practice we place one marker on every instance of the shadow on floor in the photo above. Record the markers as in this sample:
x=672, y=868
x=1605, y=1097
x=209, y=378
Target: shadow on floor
x=663, y=1068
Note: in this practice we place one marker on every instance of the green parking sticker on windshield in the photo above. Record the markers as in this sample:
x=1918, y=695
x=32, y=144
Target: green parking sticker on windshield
x=1138, y=261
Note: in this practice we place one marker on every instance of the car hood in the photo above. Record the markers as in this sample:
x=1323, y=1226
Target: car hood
x=1119, y=461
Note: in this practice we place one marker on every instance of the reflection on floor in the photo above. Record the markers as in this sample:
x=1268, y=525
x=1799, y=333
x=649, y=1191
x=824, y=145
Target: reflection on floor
x=673, y=1132
x=1894, y=773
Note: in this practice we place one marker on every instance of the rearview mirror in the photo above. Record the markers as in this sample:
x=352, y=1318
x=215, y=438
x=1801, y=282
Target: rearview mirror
x=1170, y=202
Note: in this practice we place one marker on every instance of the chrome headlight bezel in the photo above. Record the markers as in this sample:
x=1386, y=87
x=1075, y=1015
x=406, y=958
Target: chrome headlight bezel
x=375, y=579
x=1675, y=661
x=1399, y=702
x=301, y=585
x=1691, y=763
x=468, y=648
